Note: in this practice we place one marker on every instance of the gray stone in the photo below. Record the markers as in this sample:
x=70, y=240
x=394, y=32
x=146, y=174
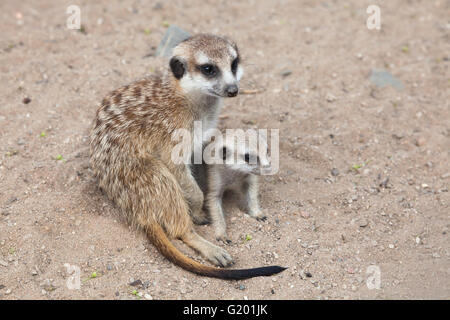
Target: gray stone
x=286, y=72
x=171, y=39
x=136, y=283
x=382, y=78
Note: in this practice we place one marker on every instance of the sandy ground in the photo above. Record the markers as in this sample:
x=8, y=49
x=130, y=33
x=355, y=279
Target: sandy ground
x=386, y=205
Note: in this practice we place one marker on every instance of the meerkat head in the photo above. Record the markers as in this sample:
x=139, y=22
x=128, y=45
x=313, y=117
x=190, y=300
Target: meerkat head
x=207, y=64
x=250, y=157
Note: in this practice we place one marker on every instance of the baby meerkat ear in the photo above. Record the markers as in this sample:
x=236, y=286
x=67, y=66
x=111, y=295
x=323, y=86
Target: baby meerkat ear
x=178, y=67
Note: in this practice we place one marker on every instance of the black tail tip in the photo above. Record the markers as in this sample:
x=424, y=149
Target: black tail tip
x=264, y=271
x=258, y=272
x=240, y=274
x=276, y=269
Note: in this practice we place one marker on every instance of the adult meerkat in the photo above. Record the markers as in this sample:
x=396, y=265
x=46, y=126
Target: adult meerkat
x=238, y=171
x=131, y=145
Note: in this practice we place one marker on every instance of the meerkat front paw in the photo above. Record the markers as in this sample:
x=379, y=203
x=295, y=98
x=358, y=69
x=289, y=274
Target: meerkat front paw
x=219, y=257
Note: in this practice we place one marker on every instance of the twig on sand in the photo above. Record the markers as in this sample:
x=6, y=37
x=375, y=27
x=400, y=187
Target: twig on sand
x=251, y=91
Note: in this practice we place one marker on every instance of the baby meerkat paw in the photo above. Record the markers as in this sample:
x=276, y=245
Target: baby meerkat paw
x=223, y=238
x=259, y=215
x=200, y=219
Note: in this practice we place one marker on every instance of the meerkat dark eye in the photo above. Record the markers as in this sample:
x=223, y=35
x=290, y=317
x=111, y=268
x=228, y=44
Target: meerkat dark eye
x=224, y=153
x=234, y=65
x=247, y=157
x=208, y=70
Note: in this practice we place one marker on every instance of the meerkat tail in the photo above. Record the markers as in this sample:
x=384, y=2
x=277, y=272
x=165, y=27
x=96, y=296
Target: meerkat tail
x=159, y=239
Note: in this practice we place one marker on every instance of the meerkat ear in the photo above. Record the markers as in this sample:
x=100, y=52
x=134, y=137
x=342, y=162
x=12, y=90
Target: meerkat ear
x=177, y=66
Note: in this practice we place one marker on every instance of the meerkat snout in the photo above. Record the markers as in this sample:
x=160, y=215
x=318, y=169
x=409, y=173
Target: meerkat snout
x=232, y=90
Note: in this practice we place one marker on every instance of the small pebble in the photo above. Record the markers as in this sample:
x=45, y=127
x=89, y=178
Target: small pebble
x=420, y=141
x=158, y=6
x=363, y=223
x=330, y=97
x=26, y=100
x=305, y=214
x=148, y=297
x=286, y=73
x=136, y=283
x=334, y=172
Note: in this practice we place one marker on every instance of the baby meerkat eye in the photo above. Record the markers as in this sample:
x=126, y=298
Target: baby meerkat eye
x=224, y=153
x=251, y=158
x=234, y=65
x=208, y=70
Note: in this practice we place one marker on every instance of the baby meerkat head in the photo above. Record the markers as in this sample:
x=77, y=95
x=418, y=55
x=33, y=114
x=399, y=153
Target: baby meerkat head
x=250, y=157
x=207, y=64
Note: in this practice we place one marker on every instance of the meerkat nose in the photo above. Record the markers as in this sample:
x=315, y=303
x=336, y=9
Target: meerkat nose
x=232, y=90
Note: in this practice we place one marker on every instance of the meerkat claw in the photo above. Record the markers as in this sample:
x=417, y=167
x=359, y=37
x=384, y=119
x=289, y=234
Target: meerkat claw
x=224, y=239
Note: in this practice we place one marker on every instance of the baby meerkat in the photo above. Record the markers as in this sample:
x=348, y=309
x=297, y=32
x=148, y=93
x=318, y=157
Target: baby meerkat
x=241, y=165
x=132, y=142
